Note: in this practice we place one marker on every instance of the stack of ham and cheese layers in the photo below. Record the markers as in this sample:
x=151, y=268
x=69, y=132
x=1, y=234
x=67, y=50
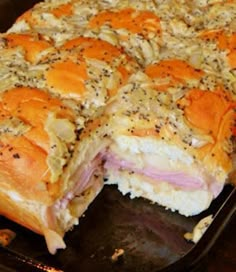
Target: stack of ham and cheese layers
x=135, y=93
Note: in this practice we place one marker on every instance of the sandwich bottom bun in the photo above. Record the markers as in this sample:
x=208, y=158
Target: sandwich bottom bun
x=186, y=202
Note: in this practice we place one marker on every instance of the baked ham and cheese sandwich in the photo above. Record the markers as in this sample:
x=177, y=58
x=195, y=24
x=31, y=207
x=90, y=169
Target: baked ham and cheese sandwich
x=172, y=138
x=48, y=176
x=53, y=135
x=141, y=93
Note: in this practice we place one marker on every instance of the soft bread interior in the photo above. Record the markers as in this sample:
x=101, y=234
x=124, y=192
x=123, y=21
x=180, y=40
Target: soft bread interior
x=186, y=202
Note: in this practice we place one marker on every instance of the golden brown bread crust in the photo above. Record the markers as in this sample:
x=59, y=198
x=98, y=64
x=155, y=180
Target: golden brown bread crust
x=25, y=144
x=21, y=214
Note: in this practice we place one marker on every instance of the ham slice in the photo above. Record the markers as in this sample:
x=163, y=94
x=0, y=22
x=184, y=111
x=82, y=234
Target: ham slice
x=178, y=178
x=84, y=181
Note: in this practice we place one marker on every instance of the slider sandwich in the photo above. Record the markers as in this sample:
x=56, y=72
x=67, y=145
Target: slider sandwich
x=172, y=140
x=52, y=132
x=49, y=174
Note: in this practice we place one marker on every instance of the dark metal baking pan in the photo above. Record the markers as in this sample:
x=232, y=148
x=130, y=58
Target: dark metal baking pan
x=151, y=237
x=11, y=9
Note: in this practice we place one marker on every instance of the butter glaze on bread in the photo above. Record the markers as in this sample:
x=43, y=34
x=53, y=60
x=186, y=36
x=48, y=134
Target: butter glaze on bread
x=141, y=93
